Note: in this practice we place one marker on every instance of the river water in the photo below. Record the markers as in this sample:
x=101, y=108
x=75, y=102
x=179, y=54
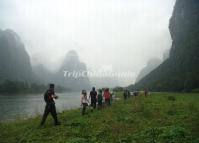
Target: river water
x=28, y=105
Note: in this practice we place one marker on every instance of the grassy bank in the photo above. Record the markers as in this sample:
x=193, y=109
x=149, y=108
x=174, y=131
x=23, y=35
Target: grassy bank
x=161, y=118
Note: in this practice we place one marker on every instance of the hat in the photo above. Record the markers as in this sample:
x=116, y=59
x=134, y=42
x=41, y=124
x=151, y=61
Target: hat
x=52, y=85
x=83, y=92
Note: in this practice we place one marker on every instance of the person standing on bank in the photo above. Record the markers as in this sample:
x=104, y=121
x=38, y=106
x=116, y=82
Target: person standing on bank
x=49, y=97
x=100, y=99
x=146, y=92
x=84, y=101
x=93, y=97
x=107, y=96
x=125, y=94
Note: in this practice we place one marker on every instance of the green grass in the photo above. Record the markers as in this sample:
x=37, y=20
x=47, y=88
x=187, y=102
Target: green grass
x=159, y=118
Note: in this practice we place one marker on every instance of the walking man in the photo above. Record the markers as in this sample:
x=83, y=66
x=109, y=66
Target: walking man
x=93, y=97
x=49, y=97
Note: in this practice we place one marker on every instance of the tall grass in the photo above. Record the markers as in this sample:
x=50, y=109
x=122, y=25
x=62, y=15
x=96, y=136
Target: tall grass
x=154, y=119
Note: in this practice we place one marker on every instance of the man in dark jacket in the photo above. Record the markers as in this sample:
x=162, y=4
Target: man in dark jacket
x=93, y=96
x=49, y=97
x=100, y=99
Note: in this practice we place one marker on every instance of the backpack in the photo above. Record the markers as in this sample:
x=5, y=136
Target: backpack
x=100, y=98
x=46, y=96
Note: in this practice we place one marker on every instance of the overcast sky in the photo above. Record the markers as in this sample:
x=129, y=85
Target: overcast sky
x=121, y=34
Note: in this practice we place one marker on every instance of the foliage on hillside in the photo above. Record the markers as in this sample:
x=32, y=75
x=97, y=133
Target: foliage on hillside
x=16, y=87
x=180, y=71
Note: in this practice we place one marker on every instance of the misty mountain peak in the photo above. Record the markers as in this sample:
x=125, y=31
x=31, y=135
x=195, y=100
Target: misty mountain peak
x=14, y=59
x=151, y=65
x=11, y=38
x=71, y=56
x=72, y=62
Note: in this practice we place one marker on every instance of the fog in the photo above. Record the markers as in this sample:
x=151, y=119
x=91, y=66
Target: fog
x=122, y=35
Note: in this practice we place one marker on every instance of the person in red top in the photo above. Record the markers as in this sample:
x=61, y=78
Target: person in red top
x=107, y=97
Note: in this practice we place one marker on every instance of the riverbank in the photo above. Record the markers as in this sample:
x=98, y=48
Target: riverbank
x=162, y=117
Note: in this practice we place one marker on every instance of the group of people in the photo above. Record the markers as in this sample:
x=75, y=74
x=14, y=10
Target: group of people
x=96, y=100
x=126, y=94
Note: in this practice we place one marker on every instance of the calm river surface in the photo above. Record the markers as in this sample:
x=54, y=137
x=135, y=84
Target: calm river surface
x=28, y=105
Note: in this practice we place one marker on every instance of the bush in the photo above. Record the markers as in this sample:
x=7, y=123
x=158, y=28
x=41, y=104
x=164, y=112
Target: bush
x=166, y=134
x=196, y=90
x=175, y=134
x=172, y=110
x=171, y=98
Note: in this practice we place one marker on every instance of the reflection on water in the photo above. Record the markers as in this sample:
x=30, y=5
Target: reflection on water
x=15, y=106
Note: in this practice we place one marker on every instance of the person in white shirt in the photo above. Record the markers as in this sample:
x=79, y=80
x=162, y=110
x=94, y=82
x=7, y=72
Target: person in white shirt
x=84, y=101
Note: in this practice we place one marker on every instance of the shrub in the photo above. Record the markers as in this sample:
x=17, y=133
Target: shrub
x=196, y=90
x=171, y=98
x=172, y=110
x=175, y=134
